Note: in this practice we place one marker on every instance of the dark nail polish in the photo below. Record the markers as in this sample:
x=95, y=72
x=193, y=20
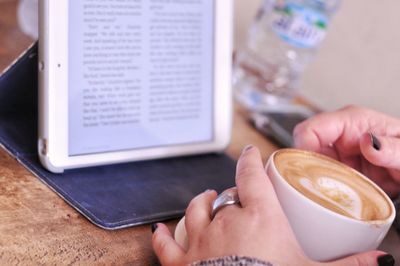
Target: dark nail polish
x=375, y=142
x=386, y=260
x=154, y=228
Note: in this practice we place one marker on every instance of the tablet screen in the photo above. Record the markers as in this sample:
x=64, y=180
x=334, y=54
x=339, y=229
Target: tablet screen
x=140, y=74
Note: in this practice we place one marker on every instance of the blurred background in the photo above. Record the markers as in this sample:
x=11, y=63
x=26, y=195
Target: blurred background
x=359, y=61
x=12, y=40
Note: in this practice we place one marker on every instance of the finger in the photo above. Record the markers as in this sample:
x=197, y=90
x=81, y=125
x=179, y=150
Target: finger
x=384, y=178
x=198, y=213
x=165, y=247
x=354, y=161
x=251, y=180
x=319, y=132
x=342, y=128
x=381, y=151
x=330, y=151
x=365, y=259
x=390, y=188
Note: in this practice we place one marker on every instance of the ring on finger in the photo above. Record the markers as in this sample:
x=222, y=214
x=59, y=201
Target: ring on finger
x=226, y=198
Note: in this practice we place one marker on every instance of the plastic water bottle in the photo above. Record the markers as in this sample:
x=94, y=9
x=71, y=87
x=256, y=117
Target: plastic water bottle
x=28, y=17
x=283, y=39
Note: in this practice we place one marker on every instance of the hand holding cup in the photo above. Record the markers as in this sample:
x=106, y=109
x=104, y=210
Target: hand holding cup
x=258, y=228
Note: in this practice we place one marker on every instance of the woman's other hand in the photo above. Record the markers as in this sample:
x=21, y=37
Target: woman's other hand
x=364, y=139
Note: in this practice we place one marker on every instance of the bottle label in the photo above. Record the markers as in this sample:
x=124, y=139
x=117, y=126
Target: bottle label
x=298, y=25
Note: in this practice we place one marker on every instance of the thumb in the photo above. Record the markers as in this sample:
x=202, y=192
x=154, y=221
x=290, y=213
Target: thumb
x=371, y=258
x=381, y=151
x=165, y=247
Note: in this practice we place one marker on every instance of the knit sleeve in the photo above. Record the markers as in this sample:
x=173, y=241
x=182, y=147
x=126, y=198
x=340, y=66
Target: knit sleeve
x=232, y=261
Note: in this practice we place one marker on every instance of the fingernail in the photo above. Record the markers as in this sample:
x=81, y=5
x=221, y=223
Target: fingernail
x=386, y=260
x=247, y=148
x=375, y=142
x=154, y=228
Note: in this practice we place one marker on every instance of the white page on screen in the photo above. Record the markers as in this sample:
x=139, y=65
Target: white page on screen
x=140, y=74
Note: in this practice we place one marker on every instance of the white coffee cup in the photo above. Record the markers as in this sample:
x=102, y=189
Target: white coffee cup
x=324, y=234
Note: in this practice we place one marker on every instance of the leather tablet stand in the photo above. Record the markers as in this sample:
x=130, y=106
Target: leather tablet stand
x=112, y=196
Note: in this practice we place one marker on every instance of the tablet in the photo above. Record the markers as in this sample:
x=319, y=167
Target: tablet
x=132, y=80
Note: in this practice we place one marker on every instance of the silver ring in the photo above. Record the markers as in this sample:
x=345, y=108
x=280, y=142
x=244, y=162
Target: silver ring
x=228, y=197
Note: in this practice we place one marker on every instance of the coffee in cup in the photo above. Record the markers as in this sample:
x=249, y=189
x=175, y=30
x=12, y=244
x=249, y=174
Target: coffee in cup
x=333, y=210
x=332, y=185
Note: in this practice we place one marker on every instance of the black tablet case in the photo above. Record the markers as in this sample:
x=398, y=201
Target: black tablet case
x=113, y=196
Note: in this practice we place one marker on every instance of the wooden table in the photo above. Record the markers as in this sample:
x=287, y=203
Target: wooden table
x=38, y=227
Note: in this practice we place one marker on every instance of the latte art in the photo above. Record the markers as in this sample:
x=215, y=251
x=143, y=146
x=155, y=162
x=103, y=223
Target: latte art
x=335, y=192
x=332, y=185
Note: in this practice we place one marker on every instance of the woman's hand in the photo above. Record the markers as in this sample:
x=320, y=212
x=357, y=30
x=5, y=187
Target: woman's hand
x=363, y=139
x=257, y=229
